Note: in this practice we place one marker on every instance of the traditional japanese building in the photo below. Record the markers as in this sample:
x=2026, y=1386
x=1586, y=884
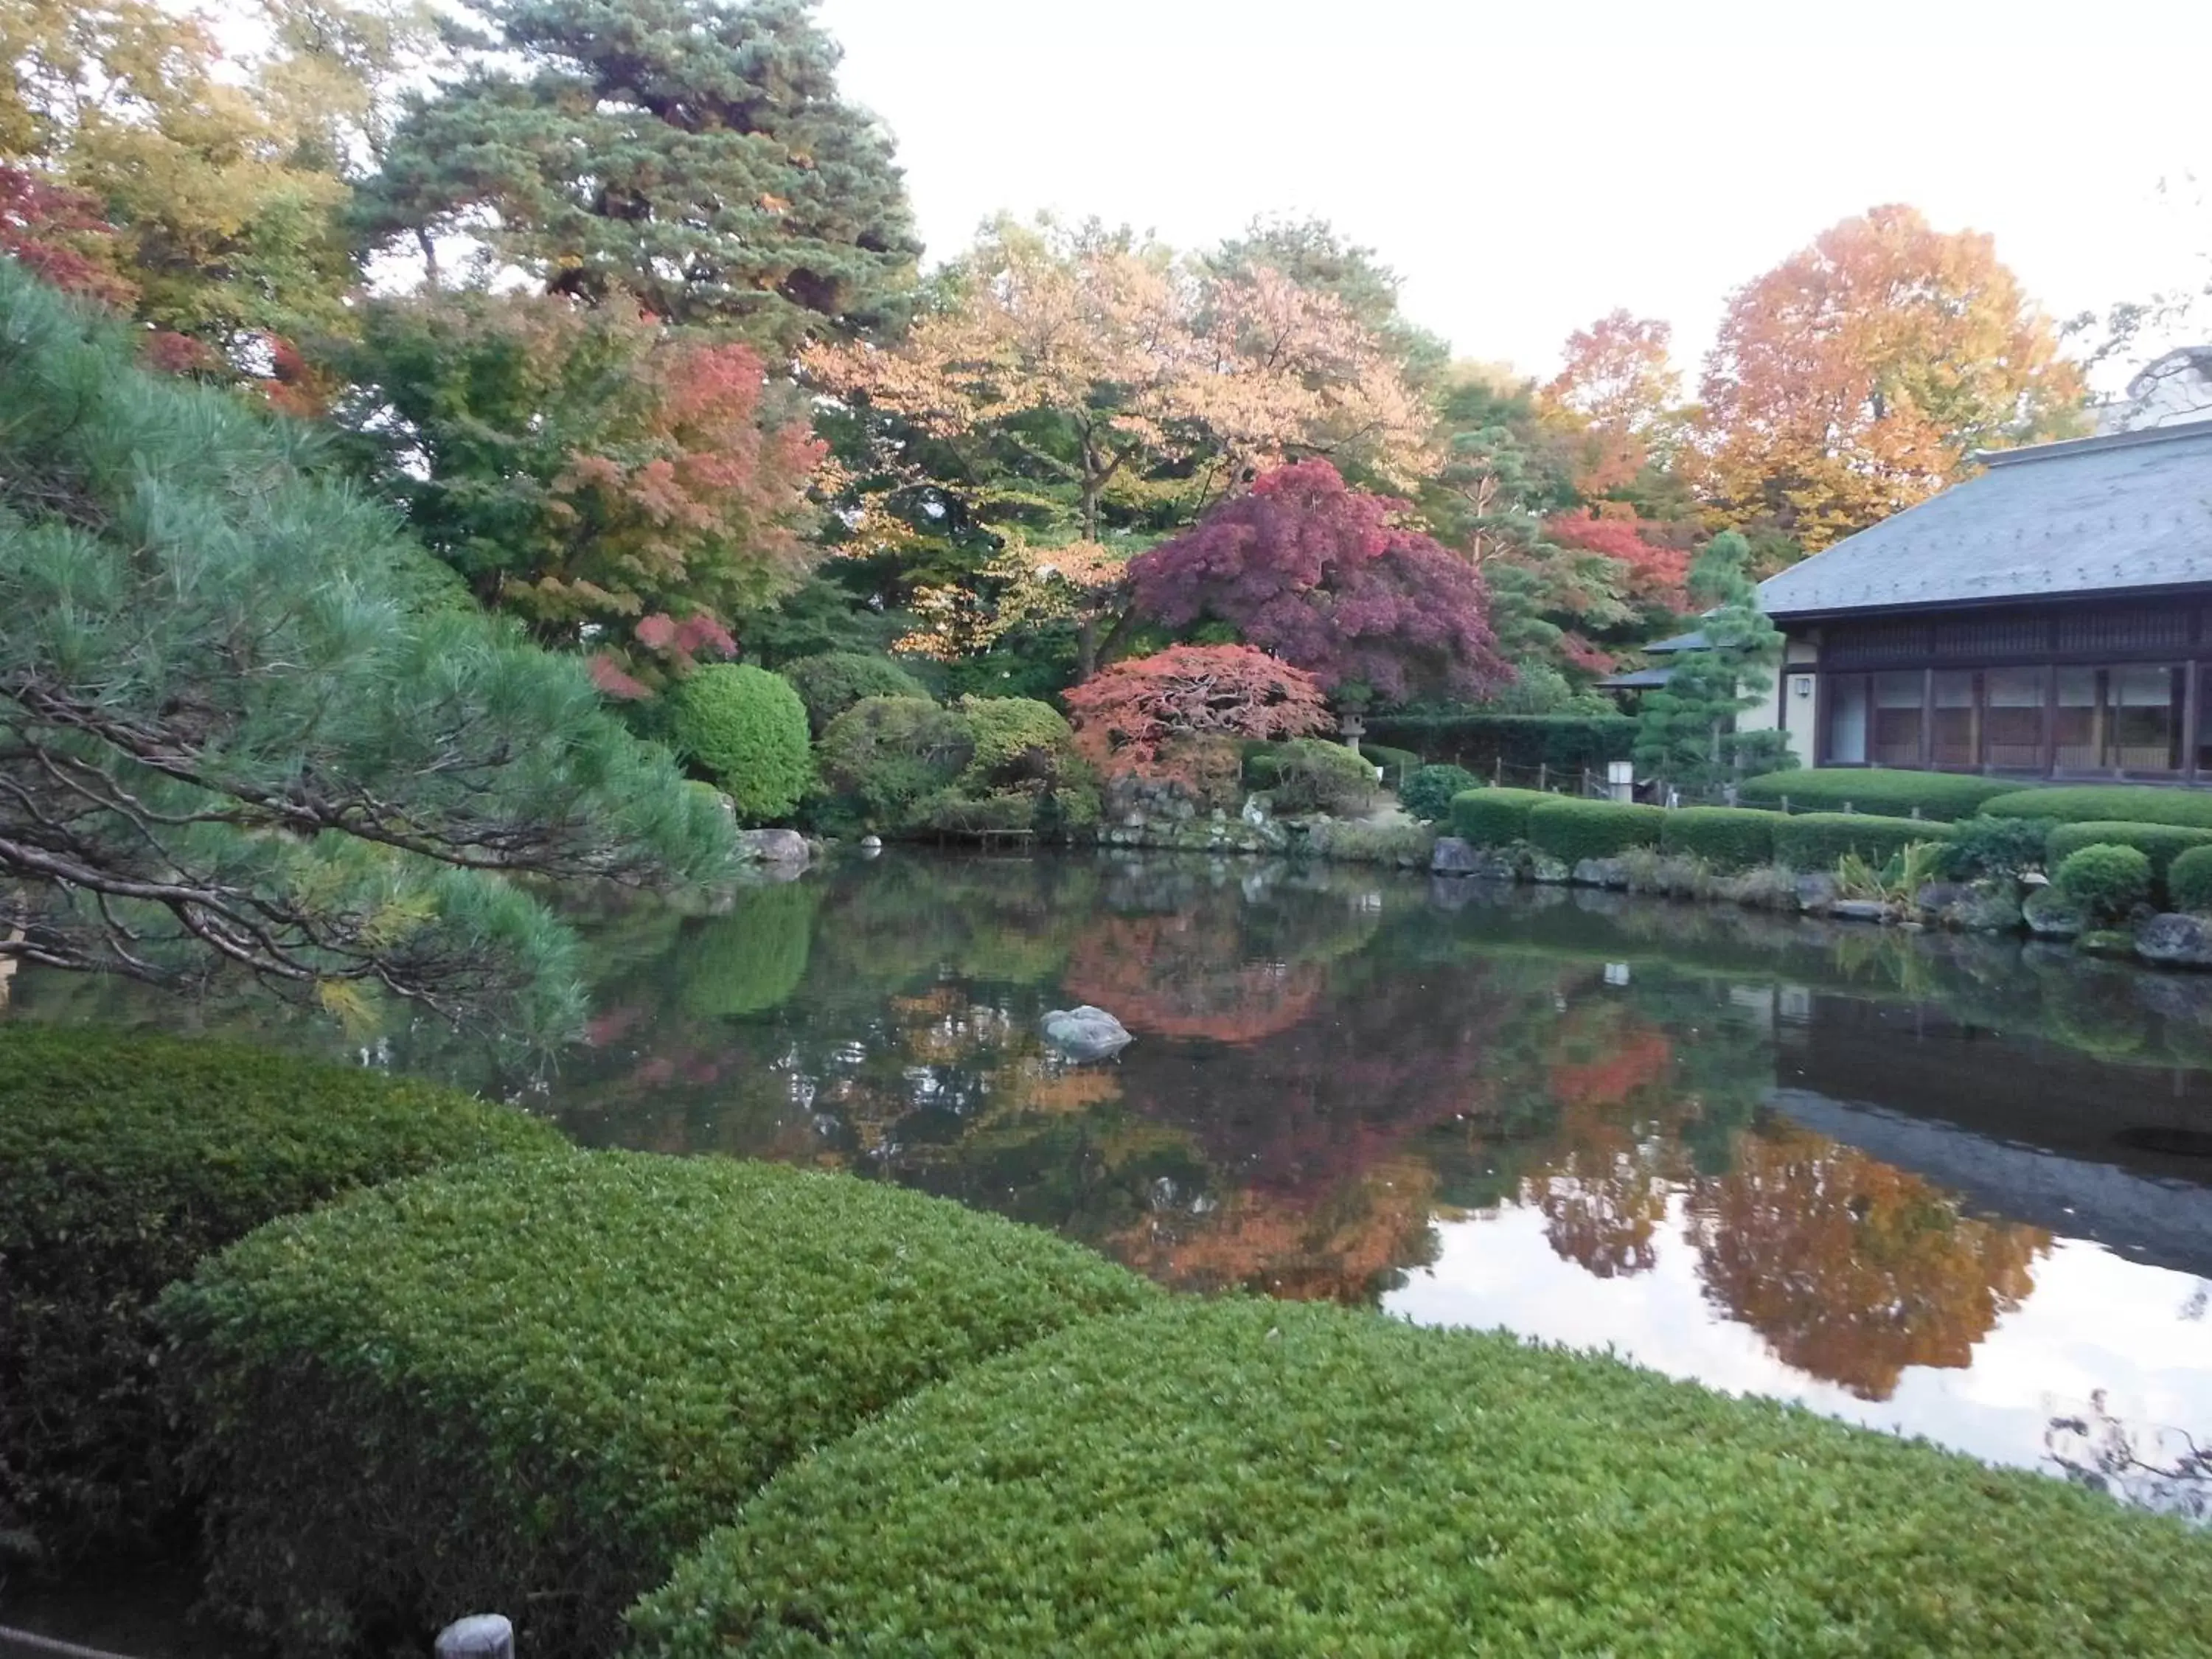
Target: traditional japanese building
x=2051, y=617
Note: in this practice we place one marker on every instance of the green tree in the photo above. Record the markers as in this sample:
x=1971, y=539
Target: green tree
x=245, y=726
x=1686, y=734
x=694, y=153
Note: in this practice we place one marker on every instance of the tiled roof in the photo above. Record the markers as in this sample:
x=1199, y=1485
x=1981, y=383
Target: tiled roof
x=2091, y=515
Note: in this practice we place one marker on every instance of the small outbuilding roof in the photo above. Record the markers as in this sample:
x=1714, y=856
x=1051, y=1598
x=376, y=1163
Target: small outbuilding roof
x=1637, y=680
x=2131, y=510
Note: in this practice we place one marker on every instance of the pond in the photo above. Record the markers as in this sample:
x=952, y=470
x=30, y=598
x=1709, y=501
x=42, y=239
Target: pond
x=1959, y=1188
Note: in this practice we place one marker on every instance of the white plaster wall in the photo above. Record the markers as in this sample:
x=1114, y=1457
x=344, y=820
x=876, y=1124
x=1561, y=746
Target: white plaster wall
x=1794, y=685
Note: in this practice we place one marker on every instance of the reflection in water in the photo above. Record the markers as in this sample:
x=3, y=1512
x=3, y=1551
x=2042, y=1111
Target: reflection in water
x=1777, y=1155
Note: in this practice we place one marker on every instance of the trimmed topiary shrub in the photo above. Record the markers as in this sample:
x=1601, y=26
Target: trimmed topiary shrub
x=2189, y=879
x=2003, y=847
x=747, y=728
x=1944, y=795
x=1575, y=830
x=2106, y=803
x=2106, y=881
x=1397, y=763
x=1725, y=837
x=886, y=756
x=1815, y=841
x=2161, y=843
x=1427, y=792
x=533, y=1384
x=1495, y=817
x=1234, y=1477
x=833, y=682
x=1314, y=775
x=123, y=1161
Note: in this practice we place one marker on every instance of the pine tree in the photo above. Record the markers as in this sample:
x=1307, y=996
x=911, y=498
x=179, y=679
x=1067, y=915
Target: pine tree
x=693, y=153
x=1686, y=735
x=246, y=727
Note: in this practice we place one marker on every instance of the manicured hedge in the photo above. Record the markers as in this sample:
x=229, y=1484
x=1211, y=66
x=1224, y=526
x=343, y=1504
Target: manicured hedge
x=2106, y=803
x=123, y=1161
x=1312, y=775
x=2161, y=843
x=2189, y=879
x=1495, y=817
x=1574, y=829
x=531, y=1385
x=747, y=728
x=1815, y=841
x=1232, y=1477
x=1725, y=837
x=2105, y=879
x=1394, y=763
x=1872, y=789
x=1565, y=743
x=833, y=681
x=1426, y=791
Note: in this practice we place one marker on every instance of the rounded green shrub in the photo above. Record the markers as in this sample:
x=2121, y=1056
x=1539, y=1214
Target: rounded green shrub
x=1495, y=817
x=2189, y=879
x=531, y=1384
x=887, y=754
x=1427, y=793
x=1943, y=795
x=2001, y=847
x=123, y=1161
x=2161, y=843
x=1574, y=829
x=748, y=729
x=2106, y=803
x=1725, y=837
x=2106, y=880
x=1312, y=775
x=833, y=682
x=1815, y=841
x=1234, y=1477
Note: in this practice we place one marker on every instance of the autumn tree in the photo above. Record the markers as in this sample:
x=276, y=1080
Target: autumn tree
x=696, y=155
x=1862, y=373
x=246, y=733
x=1617, y=398
x=1313, y=254
x=59, y=235
x=598, y=477
x=1332, y=581
x=1061, y=366
x=1130, y=716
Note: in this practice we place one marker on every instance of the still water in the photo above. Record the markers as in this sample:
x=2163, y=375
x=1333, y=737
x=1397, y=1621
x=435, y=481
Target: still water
x=1958, y=1187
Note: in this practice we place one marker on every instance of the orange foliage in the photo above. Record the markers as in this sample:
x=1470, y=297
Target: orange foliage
x=1178, y=976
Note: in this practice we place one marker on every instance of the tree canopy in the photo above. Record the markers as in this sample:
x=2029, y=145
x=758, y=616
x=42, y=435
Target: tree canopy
x=245, y=728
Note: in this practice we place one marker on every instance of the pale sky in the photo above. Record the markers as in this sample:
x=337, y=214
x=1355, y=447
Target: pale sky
x=1527, y=167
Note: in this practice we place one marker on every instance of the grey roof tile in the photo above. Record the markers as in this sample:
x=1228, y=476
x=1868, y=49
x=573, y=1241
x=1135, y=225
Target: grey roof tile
x=2130, y=510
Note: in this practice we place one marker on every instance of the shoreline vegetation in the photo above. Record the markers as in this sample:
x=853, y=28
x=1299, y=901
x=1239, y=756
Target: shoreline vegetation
x=560, y=1334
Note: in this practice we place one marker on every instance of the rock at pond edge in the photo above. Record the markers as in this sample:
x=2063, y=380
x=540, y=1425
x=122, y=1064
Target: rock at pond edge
x=772, y=846
x=1085, y=1033
x=2174, y=940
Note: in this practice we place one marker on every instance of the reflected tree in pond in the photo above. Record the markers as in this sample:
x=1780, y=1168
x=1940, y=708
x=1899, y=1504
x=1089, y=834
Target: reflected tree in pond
x=2146, y=1466
x=1604, y=1197
x=1850, y=1269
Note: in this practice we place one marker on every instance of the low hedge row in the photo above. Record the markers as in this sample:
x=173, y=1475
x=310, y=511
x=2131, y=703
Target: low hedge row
x=1725, y=837
x=1943, y=795
x=1495, y=817
x=531, y=1384
x=1573, y=829
x=123, y=1161
x=2106, y=803
x=1815, y=841
x=1232, y=1477
x=2161, y=843
x=1565, y=743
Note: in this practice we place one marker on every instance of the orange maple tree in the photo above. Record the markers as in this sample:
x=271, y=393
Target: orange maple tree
x=1861, y=374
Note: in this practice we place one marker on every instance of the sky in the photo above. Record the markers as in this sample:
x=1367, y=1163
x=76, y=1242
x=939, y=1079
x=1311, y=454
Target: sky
x=1527, y=168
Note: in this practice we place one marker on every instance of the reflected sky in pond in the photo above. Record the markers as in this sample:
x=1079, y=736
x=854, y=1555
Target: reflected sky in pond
x=1957, y=1187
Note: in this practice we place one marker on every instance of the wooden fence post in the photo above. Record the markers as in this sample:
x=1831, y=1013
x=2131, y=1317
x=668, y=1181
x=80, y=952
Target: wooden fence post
x=480, y=1635
x=1543, y=776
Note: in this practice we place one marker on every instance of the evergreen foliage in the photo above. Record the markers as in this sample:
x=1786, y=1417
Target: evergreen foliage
x=123, y=1161
x=1948, y=795
x=1520, y=743
x=1815, y=841
x=1686, y=733
x=1725, y=837
x=694, y=153
x=1574, y=829
x=1314, y=775
x=239, y=731
x=2004, y=848
x=2161, y=843
x=2105, y=803
x=1427, y=794
x=747, y=728
x=1247, y=1477
x=1495, y=817
x=2189, y=880
x=2105, y=879
x=533, y=1384
x=833, y=681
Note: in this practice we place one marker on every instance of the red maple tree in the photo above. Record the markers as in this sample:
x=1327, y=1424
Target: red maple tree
x=1127, y=717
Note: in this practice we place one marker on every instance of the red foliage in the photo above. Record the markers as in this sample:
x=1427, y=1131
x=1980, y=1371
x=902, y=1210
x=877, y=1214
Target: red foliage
x=1125, y=716
x=1655, y=572
x=608, y=675
x=59, y=236
x=1316, y=572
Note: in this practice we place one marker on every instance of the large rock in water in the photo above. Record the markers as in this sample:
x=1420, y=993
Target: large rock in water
x=2175, y=941
x=2051, y=914
x=772, y=846
x=1451, y=857
x=1085, y=1033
